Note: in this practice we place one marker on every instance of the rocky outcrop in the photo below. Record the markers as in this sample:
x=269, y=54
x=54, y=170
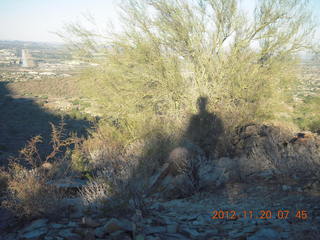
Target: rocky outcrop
x=262, y=148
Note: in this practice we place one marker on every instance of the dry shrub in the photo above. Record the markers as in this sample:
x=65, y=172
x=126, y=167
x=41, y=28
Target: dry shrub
x=29, y=193
x=186, y=162
x=105, y=144
x=114, y=190
x=95, y=194
x=263, y=147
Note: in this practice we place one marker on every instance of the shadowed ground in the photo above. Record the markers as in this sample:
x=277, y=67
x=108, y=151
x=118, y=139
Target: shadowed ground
x=22, y=119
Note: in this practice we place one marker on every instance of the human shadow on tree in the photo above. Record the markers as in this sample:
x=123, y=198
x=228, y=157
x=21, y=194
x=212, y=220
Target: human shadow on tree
x=204, y=129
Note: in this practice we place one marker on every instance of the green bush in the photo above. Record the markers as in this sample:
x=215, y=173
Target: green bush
x=172, y=52
x=164, y=61
x=307, y=115
x=79, y=162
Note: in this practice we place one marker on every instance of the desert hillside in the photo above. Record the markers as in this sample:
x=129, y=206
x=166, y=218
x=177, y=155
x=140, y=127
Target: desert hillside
x=198, y=120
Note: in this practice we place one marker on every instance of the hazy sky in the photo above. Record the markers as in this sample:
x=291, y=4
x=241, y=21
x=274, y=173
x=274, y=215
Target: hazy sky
x=36, y=20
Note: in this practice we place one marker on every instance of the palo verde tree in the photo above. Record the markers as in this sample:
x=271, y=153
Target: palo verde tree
x=170, y=52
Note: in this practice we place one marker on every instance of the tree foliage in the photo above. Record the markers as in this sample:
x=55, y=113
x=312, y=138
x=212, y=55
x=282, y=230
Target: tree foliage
x=170, y=52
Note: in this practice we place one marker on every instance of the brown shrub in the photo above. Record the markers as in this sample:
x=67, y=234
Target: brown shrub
x=29, y=193
x=264, y=147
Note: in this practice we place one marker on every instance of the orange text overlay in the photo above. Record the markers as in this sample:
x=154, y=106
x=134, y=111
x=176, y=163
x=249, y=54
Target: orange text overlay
x=261, y=214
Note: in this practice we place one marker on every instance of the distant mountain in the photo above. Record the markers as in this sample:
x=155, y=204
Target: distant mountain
x=29, y=45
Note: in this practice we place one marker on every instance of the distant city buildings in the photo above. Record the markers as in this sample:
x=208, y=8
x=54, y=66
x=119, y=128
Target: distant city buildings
x=8, y=57
x=26, y=58
x=20, y=62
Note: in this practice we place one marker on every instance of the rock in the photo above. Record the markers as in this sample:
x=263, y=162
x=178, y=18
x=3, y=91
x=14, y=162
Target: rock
x=69, y=235
x=250, y=229
x=35, y=234
x=180, y=186
x=231, y=168
x=315, y=186
x=56, y=225
x=87, y=234
x=114, y=225
x=119, y=235
x=152, y=238
x=235, y=234
x=40, y=223
x=265, y=234
x=140, y=237
x=167, y=181
x=267, y=174
x=152, y=230
x=172, y=228
x=187, y=217
x=208, y=175
x=157, y=207
x=68, y=185
x=100, y=231
x=156, y=179
x=163, y=220
x=72, y=225
x=73, y=206
x=285, y=188
x=89, y=222
x=211, y=233
x=191, y=233
x=52, y=238
x=174, y=236
x=225, y=170
x=284, y=235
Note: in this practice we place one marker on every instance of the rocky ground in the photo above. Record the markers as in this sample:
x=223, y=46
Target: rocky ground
x=194, y=217
x=251, y=196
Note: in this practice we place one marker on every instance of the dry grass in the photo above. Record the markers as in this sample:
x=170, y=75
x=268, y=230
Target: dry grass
x=29, y=195
x=53, y=87
x=263, y=147
x=95, y=194
x=28, y=191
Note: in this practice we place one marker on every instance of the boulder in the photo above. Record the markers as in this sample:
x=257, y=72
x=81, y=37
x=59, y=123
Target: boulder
x=223, y=171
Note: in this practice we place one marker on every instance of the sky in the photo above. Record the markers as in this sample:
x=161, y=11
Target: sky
x=38, y=20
